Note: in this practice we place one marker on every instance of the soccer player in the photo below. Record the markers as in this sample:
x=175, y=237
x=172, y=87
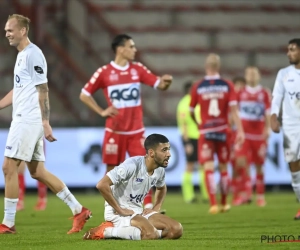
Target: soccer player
x=287, y=92
x=190, y=134
x=124, y=189
x=254, y=106
x=216, y=98
x=121, y=81
x=30, y=124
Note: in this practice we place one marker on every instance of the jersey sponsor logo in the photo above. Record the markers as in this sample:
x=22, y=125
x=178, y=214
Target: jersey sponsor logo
x=294, y=95
x=139, y=180
x=38, y=69
x=18, y=84
x=125, y=95
x=252, y=110
x=212, y=89
x=137, y=198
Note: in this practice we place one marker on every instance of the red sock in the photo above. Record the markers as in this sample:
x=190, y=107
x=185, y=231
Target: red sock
x=21, y=186
x=260, y=185
x=42, y=191
x=248, y=187
x=211, y=186
x=224, y=187
x=148, y=198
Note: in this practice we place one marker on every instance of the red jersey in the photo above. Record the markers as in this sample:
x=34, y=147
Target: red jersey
x=254, y=104
x=214, y=95
x=121, y=87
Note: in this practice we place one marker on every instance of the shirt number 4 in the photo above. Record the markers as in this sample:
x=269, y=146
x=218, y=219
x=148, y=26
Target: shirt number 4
x=213, y=109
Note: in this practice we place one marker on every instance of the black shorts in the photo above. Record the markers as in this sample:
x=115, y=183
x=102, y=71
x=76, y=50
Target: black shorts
x=193, y=157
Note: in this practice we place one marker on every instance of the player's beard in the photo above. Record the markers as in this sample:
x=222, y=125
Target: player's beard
x=159, y=162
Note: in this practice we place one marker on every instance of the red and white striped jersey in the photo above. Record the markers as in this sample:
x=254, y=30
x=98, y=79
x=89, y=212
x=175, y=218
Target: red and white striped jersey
x=121, y=87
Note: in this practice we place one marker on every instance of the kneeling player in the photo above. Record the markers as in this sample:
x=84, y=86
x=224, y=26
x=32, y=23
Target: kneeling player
x=124, y=189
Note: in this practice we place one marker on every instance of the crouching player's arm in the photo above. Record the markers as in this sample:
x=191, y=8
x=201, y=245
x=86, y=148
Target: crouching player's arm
x=160, y=195
x=104, y=188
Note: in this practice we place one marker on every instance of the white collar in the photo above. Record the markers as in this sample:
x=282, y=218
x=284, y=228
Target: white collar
x=116, y=66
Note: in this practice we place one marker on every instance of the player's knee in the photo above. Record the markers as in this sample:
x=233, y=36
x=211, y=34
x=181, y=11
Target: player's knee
x=175, y=230
x=149, y=234
x=8, y=168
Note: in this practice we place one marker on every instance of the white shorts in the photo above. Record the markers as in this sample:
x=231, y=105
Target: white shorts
x=291, y=143
x=25, y=142
x=120, y=221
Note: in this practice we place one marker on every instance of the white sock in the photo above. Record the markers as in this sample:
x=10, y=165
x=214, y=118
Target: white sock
x=10, y=209
x=159, y=233
x=296, y=184
x=67, y=197
x=127, y=233
x=149, y=205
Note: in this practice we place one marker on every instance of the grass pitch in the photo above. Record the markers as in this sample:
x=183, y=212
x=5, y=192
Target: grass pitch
x=241, y=228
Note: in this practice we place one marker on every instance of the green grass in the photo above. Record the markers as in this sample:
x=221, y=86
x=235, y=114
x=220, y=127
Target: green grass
x=241, y=228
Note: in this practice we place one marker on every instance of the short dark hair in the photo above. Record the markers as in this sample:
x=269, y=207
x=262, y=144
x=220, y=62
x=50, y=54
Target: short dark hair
x=153, y=140
x=239, y=79
x=295, y=41
x=119, y=40
x=187, y=86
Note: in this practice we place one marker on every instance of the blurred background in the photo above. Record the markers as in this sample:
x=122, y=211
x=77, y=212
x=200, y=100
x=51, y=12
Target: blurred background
x=172, y=37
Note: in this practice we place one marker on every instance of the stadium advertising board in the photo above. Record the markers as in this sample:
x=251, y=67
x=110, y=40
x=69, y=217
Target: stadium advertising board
x=76, y=157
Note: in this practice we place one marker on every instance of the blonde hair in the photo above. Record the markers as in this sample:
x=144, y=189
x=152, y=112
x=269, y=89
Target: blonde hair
x=23, y=21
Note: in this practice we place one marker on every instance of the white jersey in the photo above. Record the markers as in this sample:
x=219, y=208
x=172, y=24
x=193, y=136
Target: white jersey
x=132, y=182
x=30, y=70
x=287, y=88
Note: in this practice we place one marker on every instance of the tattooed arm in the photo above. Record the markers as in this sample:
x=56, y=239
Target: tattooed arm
x=45, y=110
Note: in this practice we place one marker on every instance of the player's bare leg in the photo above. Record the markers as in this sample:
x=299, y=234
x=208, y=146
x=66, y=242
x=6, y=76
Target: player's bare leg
x=260, y=186
x=81, y=215
x=10, y=171
x=22, y=186
x=295, y=172
x=211, y=186
x=170, y=229
x=224, y=186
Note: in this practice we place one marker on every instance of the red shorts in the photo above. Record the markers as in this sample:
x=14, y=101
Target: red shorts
x=207, y=148
x=254, y=151
x=115, y=147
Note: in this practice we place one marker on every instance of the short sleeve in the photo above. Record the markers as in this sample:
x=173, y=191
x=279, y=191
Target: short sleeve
x=194, y=97
x=146, y=76
x=232, y=96
x=122, y=173
x=96, y=82
x=161, y=181
x=267, y=101
x=278, y=92
x=37, y=68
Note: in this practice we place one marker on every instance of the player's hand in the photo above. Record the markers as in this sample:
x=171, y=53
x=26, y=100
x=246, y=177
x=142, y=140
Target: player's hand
x=48, y=133
x=125, y=212
x=167, y=81
x=275, y=124
x=111, y=111
x=148, y=211
x=240, y=138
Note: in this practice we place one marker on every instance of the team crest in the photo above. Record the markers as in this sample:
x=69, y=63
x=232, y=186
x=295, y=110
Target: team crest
x=20, y=61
